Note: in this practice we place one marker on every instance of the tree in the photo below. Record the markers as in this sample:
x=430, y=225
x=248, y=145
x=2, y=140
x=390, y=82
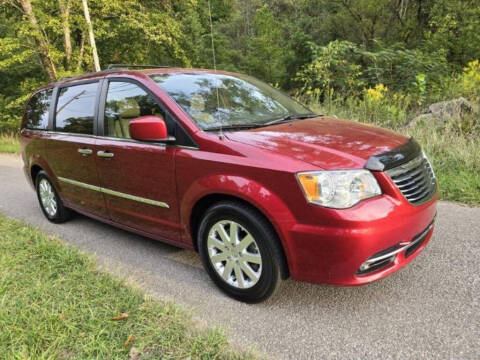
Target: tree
x=91, y=36
x=265, y=51
x=455, y=27
x=64, y=6
x=40, y=39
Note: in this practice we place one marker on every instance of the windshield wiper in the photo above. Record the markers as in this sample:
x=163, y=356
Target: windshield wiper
x=290, y=117
x=257, y=125
x=233, y=127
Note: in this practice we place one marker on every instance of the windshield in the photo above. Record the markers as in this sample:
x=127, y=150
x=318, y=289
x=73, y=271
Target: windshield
x=219, y=100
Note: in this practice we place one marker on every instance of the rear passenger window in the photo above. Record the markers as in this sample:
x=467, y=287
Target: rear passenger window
x=76, y=108
x=36, y=117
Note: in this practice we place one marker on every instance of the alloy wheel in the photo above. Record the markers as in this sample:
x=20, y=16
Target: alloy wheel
x=47, y=197
x=234, y=254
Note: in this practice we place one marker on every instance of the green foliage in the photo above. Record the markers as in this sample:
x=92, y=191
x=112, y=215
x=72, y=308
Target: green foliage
x=469, y=82
x=331, y=70
x=455, y=27
x=139, y=32
x=345, y=68
x=265, y=48
x=420, y=86
x=398, y=68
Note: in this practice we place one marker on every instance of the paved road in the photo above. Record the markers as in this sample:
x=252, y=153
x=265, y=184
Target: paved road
x=428, y=310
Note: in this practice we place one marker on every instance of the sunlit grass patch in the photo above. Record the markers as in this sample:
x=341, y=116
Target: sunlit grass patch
x=54, y=304
x=9, y=144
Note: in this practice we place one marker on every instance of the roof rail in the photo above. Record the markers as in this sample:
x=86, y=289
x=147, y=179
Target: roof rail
x=113, y=67
x=85, y=74
x=120, y=66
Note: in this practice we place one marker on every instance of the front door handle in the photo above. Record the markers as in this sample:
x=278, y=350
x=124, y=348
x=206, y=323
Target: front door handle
x=85, y=152
x=105, y=154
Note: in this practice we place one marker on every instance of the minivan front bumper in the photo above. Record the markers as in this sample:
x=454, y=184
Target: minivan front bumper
x=386, y=257
x=335, y=250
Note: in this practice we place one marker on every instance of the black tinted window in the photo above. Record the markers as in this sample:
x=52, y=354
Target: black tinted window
x=125, y=102
x=76, y=108
x=37, y=110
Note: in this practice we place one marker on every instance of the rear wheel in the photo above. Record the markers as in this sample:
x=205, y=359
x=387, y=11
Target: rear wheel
x=50, y=203
x=239, y=250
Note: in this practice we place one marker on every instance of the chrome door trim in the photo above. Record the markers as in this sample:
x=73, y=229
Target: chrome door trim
x=114, y=193
x=80, y=184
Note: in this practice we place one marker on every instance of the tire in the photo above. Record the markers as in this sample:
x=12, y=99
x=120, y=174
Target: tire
x=249, y=273
x=50, y=203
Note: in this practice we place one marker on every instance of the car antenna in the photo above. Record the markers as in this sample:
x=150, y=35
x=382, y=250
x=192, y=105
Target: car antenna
x=215, y=67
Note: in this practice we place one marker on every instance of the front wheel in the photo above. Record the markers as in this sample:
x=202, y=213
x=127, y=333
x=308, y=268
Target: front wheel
x=240, y=251
x=50, y=203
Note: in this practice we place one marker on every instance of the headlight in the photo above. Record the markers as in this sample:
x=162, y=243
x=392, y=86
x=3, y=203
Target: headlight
x=338, y=189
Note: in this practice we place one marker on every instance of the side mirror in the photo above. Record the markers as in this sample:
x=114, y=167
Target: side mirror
x=149, y=128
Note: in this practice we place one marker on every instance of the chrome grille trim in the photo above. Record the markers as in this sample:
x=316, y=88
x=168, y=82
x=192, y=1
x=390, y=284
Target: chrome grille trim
x=415, y=179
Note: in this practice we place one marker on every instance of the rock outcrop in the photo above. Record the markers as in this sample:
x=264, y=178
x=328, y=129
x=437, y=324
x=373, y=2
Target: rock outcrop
x=441, y=112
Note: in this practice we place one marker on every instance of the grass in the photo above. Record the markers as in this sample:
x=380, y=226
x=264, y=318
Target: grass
x=455, y=155
x=54, y=304
x=9, y=144
x=456, y=160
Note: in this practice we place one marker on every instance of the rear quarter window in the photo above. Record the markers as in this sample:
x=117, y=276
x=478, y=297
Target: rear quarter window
x=36, y=115
x=75, y=109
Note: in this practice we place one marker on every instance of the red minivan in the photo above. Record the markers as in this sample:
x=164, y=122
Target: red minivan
x=226, y=165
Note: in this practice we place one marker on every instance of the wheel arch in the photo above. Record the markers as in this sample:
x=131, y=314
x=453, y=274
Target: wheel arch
x=34, y=170
x=203, y=203
x=38, y=164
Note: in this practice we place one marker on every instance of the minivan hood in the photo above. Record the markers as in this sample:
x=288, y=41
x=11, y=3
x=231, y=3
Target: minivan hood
x=326, y=142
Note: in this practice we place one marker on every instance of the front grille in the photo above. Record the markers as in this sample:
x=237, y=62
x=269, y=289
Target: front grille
x=415, y=179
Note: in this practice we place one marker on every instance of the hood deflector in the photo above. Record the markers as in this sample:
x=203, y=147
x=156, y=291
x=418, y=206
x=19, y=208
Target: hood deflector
x=393, y=158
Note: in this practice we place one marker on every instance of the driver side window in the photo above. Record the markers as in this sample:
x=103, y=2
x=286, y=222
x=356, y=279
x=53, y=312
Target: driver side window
x=125, y=102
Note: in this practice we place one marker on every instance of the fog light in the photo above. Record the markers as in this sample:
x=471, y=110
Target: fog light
x=376, y=263
x=364, y=266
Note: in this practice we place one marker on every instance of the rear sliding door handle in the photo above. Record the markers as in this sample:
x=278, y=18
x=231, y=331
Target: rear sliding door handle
x=105, y=154
x=85, y=152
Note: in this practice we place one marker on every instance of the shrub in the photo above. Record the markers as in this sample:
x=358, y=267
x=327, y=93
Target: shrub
x=343, y=69
x=330, y=71
x=470, y=80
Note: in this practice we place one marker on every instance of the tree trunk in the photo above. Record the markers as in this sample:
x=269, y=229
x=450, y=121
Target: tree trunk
x=96, y=62
x=80, y=54
x=67, y=43
x=41, y=42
